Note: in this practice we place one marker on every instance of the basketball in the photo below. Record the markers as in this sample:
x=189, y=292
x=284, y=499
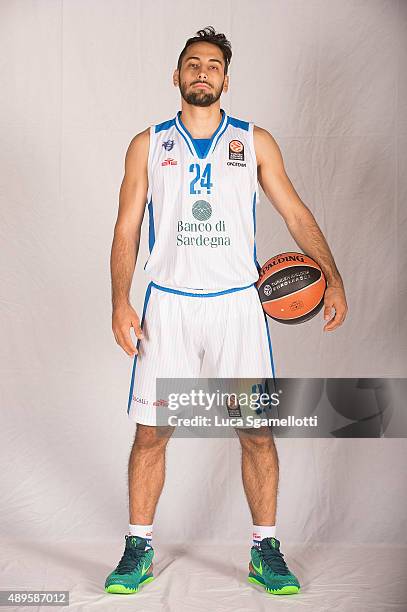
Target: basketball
x=291, y=287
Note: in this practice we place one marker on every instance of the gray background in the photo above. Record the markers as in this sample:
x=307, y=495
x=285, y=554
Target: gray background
x=79, y=80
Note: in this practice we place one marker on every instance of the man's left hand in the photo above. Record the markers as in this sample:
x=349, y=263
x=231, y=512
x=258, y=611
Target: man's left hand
x=334, y=297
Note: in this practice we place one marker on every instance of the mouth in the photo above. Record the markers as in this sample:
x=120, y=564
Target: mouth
x=201, y=86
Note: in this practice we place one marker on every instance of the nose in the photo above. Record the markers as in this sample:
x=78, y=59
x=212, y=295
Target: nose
x=202, y=76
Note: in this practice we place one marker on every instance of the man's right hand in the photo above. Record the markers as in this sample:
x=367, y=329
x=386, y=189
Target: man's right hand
x=123, y=318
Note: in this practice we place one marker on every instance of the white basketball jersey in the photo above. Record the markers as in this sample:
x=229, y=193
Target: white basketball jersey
x=202, y=208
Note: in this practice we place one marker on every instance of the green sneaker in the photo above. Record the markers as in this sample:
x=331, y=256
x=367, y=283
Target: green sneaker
x=134, y=569
x=268, y=568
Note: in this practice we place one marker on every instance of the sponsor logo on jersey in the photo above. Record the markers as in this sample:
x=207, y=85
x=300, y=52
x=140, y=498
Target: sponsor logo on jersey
x=168, y=144
x=186, y=228
x=140, y=400
x=202, y=210
x=169, y=162
x=240, y=164
x=236, y=150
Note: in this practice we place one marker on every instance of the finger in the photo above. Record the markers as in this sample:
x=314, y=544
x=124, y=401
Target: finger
x=327, y=311
x=137, y=329
x=125, y=341
x=335, y=322
x=331, y=325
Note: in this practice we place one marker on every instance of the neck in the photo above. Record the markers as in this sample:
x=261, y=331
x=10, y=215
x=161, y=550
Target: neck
x=201, y=121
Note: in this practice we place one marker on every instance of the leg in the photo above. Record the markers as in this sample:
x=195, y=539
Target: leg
x=260, y=472
x=146, y=472
x=146, y=479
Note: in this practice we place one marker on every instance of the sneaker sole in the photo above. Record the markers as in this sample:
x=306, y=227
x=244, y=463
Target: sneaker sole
x=120, y=589
x=286, y=590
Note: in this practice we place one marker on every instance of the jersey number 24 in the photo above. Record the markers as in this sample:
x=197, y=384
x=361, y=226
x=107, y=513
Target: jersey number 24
x=204, y=179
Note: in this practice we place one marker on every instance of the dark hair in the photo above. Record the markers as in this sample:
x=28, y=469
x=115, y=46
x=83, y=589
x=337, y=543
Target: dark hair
x=209, y=35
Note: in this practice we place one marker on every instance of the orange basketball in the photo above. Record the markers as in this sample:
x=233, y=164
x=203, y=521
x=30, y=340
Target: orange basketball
x=291, y=287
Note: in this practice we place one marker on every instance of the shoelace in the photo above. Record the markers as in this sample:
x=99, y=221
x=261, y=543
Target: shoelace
x=129, y=561
x=274, y=558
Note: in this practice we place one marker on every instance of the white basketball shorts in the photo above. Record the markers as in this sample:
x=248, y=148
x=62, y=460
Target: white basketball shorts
x=224, y=334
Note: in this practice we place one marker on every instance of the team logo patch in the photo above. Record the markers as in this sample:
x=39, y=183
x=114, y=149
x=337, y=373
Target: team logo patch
x=236, y=150
x=168, y=144
x=169, y=162
x=202, y=210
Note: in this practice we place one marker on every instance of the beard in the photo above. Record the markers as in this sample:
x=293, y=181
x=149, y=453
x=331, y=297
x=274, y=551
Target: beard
x=200, y=97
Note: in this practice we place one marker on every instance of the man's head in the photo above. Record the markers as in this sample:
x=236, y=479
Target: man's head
x=204, y=60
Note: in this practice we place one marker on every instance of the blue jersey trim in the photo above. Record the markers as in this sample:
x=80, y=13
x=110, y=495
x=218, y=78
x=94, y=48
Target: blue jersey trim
x=183, y=136
x=146, y=298
x=239, y=123
x=221, y=134
x=170, y=290
x=270, y=349
x=197, y=149
x=202, y=144
x=165, y=125
x=254, y=227
x=258, y=266
x=151, y=228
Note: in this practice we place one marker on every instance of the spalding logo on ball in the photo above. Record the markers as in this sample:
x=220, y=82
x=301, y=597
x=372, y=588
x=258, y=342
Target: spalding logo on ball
x=291, y=287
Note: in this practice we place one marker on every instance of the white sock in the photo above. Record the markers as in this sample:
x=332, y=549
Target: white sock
x=263, y=531
x=142, y=531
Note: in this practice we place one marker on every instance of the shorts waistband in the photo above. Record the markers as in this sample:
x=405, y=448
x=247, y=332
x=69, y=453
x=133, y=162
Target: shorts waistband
x=211, y=294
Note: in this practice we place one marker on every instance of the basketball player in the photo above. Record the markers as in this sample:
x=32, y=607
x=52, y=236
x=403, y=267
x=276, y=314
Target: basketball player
x=198, y=173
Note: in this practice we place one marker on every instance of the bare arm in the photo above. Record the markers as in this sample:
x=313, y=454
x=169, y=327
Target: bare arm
x=300, y=222
x=126, y=240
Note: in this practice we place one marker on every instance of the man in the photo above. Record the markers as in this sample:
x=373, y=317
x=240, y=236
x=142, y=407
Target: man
x=198, y=172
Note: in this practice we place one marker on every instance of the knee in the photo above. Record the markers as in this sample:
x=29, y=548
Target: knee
x=151, y=439
x=255, y=442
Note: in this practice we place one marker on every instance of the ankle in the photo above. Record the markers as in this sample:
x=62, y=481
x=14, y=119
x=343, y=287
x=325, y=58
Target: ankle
x=142, y=531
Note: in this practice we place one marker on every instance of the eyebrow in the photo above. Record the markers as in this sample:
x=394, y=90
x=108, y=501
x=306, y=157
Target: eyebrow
x=198, y=58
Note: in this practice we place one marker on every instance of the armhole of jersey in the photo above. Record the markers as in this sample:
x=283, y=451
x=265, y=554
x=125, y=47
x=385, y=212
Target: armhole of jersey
x=150, y=154
x=253, y=153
